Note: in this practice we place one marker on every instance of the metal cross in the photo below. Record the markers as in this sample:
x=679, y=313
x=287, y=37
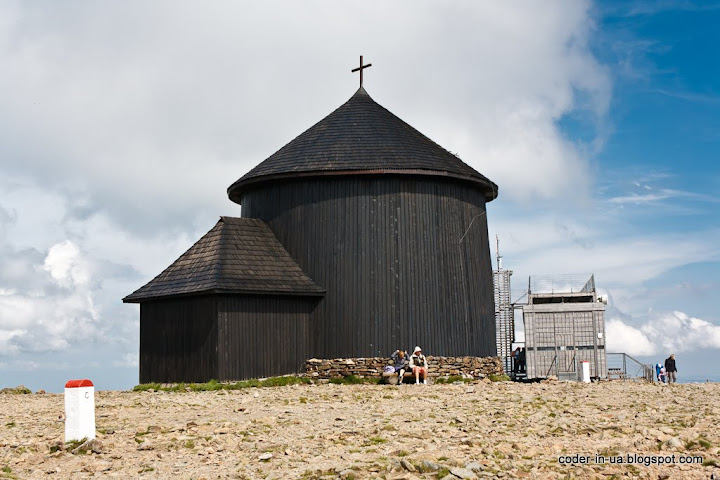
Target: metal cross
x=360, y=68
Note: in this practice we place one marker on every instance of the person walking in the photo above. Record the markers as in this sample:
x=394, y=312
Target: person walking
x=671, y=369
x=516, y=360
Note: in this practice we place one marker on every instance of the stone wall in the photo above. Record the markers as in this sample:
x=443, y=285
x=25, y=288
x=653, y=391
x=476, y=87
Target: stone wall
x=475, y=367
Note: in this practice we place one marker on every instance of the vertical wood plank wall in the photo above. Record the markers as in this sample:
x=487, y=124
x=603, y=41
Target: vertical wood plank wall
x=178, y=340
x=262, y=336
x=388, y=251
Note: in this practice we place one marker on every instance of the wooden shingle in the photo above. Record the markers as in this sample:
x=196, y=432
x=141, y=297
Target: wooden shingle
x=238, y=255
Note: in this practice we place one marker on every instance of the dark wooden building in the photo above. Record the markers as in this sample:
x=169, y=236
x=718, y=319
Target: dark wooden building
x=203, y=316
x=358, y=237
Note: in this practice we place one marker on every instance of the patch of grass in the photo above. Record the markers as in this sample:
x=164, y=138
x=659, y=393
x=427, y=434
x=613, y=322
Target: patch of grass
x=375, y=441
x=710, y=463
x=19, y=390
x=704, y=443
x=442, y=459
x=610, y=452
x=284, y=381
x=214, y=385
x=317, y=474
x=10, y=424
x=7, y=470
x=353, y=380
x=144, y=387
x=633, y=469
x=442, y=473
x=189, y=444
x=452, y=379
x=73, y=444
x=498, y=378
x=303, y=400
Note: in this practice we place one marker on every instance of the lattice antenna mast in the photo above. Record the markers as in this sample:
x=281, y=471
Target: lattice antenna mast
x=504, y=312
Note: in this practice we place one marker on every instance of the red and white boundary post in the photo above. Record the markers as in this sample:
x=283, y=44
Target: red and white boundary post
x=79, y=410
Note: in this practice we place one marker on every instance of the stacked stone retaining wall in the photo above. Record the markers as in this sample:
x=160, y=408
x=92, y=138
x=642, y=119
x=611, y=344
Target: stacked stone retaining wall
x=475, y=367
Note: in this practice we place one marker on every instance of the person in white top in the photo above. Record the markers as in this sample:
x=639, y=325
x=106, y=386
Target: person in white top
x=419, y=365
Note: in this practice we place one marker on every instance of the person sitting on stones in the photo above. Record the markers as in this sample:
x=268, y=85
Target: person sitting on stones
x=399, y=358
x=419, y=365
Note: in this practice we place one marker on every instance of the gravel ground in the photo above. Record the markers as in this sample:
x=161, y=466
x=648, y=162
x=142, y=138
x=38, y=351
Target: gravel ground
x=477, y=430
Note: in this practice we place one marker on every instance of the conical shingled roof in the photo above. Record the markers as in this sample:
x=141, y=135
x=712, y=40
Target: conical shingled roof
x=238, y=255
x=360, y=137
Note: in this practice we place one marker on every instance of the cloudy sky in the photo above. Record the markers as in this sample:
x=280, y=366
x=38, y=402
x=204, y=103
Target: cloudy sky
x=123, y=123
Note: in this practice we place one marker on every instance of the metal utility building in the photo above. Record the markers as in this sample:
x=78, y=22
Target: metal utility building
x=359, y=237
x=564, y=325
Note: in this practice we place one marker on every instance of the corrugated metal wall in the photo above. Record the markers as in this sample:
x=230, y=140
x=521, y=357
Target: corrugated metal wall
x=388, y=251
x=557, y=341
x=178, y=340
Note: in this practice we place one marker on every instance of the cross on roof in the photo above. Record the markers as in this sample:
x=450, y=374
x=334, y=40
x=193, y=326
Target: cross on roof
x=360, y=68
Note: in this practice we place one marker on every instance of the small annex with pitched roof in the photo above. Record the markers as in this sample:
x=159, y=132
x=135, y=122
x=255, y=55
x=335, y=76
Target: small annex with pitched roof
x=205, y=312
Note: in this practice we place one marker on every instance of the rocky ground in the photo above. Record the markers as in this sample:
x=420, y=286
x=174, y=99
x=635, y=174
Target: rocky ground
x=478, y=430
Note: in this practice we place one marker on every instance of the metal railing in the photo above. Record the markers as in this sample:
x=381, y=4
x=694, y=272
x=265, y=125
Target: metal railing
x=567, y=283
x=621, y=366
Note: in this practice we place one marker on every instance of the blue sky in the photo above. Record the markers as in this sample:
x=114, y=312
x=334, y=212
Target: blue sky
x=657, y=174
x=121, y=126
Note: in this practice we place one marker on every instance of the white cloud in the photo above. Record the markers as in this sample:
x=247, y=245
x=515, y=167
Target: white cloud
x=663, y=332
x=7, y=347
x=131, y=359
x=678, y=332
x=640, y=199
x=170, y=120
x=65, y=265
x=552, y=242
x=623, y=338
x=50, y=319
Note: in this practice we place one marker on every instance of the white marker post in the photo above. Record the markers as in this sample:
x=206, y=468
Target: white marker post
x=79, y=410
x=585, y=371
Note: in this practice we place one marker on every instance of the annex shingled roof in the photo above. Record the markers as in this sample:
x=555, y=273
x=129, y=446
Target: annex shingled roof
x=238, y=255
x=360, y=137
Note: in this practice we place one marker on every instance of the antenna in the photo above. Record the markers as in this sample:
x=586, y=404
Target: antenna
x=499, y=257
